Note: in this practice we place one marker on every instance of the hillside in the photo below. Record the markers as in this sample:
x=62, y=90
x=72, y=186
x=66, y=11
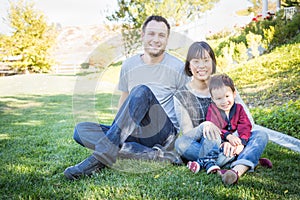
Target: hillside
x=74, y=44
x=270, y=86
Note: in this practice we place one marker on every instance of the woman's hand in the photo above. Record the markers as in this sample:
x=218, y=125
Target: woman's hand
x=211, y=131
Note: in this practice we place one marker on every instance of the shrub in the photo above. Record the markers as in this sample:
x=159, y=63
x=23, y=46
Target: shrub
x=240, y=53
x=284, y=118
x=254, y=41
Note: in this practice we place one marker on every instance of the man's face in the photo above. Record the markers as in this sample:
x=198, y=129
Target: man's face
x=155, y=38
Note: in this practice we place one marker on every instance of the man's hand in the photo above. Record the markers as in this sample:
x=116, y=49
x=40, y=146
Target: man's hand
x=211, y=131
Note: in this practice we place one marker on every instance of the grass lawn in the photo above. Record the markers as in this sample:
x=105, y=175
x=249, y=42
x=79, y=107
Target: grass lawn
x=36, y=141
x=36, y=146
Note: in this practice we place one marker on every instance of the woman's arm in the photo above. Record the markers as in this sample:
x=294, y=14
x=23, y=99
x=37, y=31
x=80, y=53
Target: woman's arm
x=206, y=129
x=183, y=117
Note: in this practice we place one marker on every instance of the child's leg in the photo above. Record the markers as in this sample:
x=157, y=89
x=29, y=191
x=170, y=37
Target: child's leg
x=194, y=166
x=224, y=160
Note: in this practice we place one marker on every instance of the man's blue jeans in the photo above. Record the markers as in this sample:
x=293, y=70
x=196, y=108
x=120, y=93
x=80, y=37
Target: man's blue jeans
x=192, y=148
x=140, y=123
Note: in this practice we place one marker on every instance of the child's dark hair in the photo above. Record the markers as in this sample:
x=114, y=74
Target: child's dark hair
x=220, y=80
x=158, y=19
x=197, y=50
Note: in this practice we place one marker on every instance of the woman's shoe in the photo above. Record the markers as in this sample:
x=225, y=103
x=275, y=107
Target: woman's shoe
x=265, y=162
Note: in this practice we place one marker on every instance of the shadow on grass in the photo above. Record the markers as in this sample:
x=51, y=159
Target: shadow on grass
x=36, y=146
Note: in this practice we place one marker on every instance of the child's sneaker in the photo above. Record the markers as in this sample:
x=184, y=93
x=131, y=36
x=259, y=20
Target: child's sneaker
x=211, y=167
x=193, y=166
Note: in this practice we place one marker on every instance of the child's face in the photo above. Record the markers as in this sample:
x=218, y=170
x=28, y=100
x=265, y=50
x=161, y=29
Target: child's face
x=223, y=98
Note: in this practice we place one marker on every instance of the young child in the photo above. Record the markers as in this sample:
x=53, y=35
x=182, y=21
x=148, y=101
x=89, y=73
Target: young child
x=229, y=117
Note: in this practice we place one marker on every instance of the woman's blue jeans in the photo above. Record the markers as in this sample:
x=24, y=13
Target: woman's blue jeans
x=192, y=148
x=140, y=123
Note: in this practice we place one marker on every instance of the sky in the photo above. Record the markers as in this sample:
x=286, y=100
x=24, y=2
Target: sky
x=90, y=12
x=65, y=12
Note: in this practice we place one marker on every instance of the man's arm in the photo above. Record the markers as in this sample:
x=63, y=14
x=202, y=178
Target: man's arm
x=123, y=97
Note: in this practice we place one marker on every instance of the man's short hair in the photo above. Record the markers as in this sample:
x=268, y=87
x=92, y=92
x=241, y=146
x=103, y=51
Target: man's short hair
x=158, y=19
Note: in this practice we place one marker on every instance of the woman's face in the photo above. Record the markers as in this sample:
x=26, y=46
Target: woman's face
x=201, y=68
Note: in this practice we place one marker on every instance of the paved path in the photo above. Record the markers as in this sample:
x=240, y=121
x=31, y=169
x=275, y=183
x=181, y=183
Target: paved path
x=51, y=84
x=36, y=84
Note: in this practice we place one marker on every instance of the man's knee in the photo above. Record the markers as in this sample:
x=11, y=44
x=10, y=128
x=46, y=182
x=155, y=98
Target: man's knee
x=140, y=90
x=79, y=131
x=76, y=135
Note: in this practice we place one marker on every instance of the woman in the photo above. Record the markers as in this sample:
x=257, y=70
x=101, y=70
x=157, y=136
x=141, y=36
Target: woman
x=198, y=136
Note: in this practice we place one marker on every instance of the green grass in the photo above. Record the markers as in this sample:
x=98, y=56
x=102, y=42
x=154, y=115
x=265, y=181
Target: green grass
x=36, y=146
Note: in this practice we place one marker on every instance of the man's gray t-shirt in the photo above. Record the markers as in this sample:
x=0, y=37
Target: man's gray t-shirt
x=163, y=79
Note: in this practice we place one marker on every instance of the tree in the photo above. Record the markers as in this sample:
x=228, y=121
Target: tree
x=31, y=39
x=132, y=13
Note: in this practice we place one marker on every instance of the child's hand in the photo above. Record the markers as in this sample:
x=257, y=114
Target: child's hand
x=234, y=140
x=228, y=149
x=238, y=149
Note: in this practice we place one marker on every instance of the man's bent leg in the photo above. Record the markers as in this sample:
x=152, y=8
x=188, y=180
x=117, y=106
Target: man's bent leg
x=141, y=116
x=86, y=134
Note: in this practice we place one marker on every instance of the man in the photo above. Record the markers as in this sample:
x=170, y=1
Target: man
x=145, y=126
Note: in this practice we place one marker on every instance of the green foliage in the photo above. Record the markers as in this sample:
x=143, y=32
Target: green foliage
x=288, y=3
x=273, y=77
x=283, y=31
x=132, y=14
x=240, y=52
x=283, y=118
x=84, y=65
x=31, y=39
x=254, y=41
x=268, y=34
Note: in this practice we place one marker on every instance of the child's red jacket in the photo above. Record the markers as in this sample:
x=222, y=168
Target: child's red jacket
x=238, y=120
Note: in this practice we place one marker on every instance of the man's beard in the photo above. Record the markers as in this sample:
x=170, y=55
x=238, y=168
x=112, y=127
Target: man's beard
x=159, y=53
